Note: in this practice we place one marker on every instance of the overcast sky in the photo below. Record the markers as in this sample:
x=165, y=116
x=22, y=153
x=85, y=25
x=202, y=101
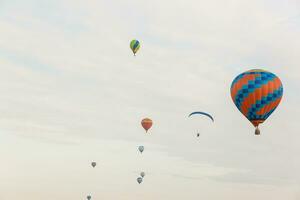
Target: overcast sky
x=72, y=93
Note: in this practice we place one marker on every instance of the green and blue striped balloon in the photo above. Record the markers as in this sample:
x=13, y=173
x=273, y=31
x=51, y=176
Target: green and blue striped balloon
x=134, y=45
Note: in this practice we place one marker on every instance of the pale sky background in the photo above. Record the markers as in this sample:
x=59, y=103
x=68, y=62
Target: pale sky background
x=72, y=93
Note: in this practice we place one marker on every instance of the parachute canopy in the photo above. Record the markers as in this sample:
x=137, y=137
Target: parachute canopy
x=256, y=93
x=134, y=46
x=201, y=113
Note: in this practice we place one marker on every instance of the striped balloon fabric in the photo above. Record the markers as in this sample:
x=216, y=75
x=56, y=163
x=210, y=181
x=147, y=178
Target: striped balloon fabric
x=256, y=93
x=134, y=45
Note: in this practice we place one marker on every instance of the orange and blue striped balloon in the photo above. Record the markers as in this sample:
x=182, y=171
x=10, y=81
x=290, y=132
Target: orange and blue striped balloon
x=256, y=93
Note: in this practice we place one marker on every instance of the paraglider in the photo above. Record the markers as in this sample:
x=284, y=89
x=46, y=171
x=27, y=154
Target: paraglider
x=89, y=197
x=134, y=46
x=139, y=180
x=141, y=149
x=202, y=113
x=146, y=124
x=142, y=174
x=256, y=93
x=93, y=164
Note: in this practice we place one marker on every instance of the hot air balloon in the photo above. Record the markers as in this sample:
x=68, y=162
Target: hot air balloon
x=141, y=149
x=89, y=197
x=93, y=164
x=134, y=45
x=139, y=180
x=146, y=123
x=142, y=174
x=256, y=93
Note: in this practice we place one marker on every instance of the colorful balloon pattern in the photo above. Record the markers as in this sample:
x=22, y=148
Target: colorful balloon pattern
x=256, y=93
x=135, y=46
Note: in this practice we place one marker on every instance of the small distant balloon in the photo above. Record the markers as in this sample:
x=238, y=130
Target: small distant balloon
x=89, y=197
x=198, y=134
x=146, y=124
x=93, y=164
x=142, y=174
x=139, y=180
x=134, y=46
x=141, y=149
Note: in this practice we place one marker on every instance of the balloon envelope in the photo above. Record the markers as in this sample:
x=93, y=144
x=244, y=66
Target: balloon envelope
x=201, y=113
x=142, y=174
x=89, y=197
x=146, y=124
x=139, y=180
x=93, y=164
x=256, y=93
x=141, y=149
x=134, y=46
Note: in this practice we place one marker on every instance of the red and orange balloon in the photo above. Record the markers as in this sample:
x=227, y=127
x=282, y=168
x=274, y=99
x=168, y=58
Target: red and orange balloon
x=146, y=124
